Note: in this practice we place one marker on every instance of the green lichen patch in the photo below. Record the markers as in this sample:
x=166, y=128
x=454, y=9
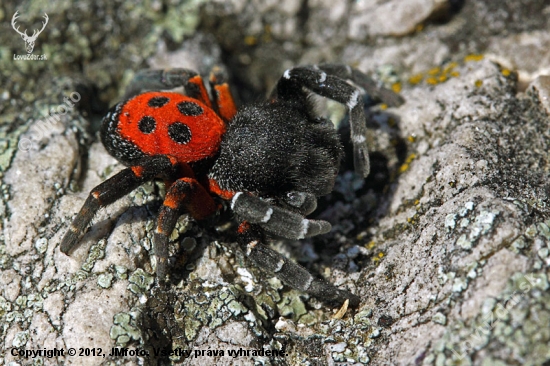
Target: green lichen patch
x=96, y=252
x=140, y=281
x=512, y=322
x=126, y=327
x=105, y=280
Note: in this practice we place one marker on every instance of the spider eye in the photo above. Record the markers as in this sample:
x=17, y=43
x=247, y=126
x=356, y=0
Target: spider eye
x=179, y=132
x=147, y=124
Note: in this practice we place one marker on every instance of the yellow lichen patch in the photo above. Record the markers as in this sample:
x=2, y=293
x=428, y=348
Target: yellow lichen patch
x=376, y=259
x=416, y=202
x=473, y=57
x=439, y=74
x=383, y=106
x=431, y=81
x=450, y=66
x=266, y=37
x=370, y=244
x=478, y=83
x=250, y=40
x=413, y=220
x=415, y=79
x=396, y=87
x=506, y=72
x=434, y=71
x=403, y=168
x=411, y=138
x=419, y=28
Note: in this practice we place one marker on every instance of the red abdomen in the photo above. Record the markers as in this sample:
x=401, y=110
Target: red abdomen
x=163, y=123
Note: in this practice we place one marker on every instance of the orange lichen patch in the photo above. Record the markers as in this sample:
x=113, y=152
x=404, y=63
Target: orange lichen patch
x=473, y=57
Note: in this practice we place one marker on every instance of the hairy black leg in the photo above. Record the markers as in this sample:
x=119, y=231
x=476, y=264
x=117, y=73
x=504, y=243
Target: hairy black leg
x=374, y=90
x=111, y=190
x=146, y=80
x=293, y=274
x=305, y=203
x=276, y=220
x=289, y=88
x=185, y=195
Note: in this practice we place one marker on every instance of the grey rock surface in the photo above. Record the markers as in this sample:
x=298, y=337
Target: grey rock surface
x=447, y=242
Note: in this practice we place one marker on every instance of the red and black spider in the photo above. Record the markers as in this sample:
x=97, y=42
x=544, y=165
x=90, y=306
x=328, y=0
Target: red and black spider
x=270, y=160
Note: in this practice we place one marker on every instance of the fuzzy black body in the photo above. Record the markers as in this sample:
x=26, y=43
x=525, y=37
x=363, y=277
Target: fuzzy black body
x=269, y=161
x=273, y=148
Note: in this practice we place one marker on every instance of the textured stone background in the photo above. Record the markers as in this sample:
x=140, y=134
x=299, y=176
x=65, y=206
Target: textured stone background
x=447, y=242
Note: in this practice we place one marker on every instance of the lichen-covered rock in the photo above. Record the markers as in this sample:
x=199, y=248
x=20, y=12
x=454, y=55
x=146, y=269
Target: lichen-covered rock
x=447, y=241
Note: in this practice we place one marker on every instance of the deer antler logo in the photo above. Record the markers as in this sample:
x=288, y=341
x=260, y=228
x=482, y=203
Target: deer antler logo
x=29, y=41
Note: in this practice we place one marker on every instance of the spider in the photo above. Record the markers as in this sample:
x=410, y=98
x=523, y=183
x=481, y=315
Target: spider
x=268, y=161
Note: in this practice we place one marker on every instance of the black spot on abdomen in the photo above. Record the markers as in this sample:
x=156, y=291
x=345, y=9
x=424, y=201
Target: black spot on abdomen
x=179, y=132
x=147, y=124
x=157, y=102
x=190, y=109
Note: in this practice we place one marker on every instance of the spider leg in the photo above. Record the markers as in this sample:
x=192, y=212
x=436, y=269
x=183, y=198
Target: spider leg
x=371, y=87
x=223, y=99
x=111, y=190
x=185, y=195
x=332, y=85
x=146, y=80
x=290, y=86
x=304, y=202
x=293, y=274
x=276, y=220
